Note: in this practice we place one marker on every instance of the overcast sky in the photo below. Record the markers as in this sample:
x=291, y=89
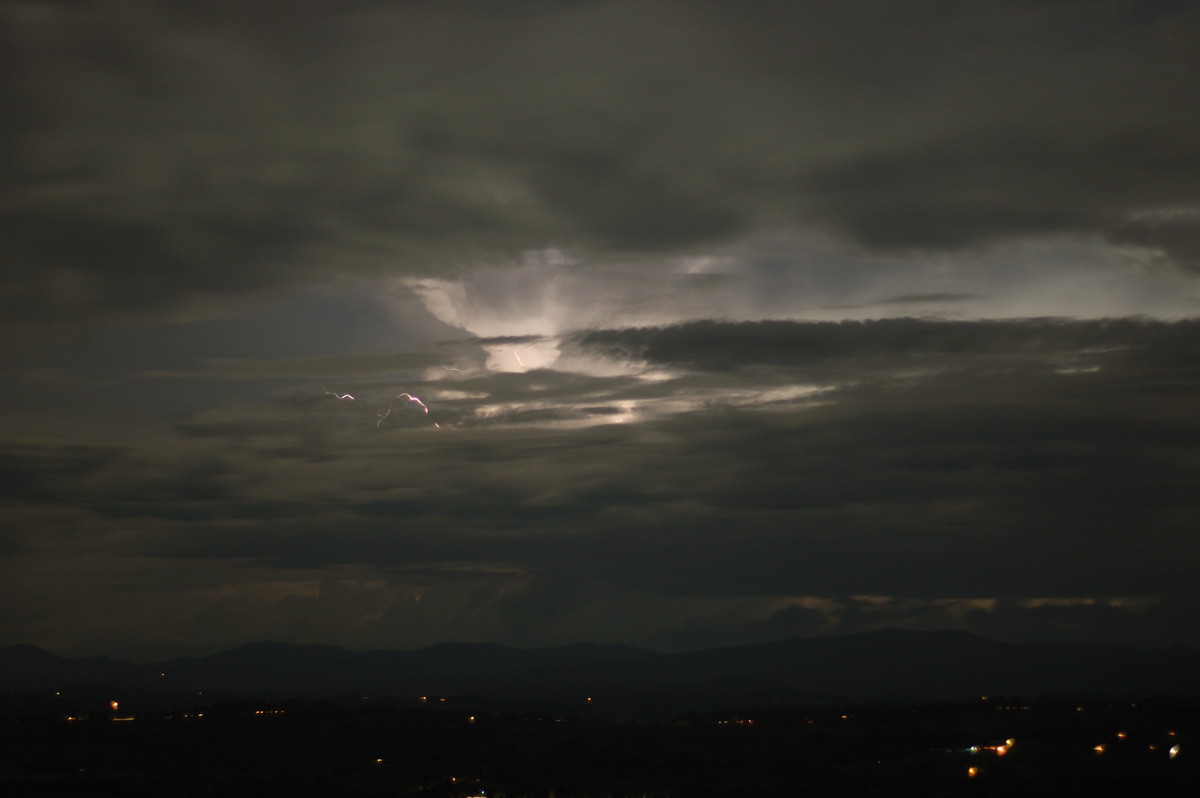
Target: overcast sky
x=678, y=324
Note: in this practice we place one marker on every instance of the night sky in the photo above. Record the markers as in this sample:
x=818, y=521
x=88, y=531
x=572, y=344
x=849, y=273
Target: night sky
x=677, y=324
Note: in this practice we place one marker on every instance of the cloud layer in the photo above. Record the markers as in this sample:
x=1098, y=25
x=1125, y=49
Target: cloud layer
x=169, y=153
x=761, y=478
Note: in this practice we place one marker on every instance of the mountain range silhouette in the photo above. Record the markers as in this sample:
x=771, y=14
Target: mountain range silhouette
x=883, y=665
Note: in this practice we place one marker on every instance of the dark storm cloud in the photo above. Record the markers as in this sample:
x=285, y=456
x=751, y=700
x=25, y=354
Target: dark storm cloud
x=1022, y=479
x=962, y=191
x=159, y=152
x=511, y=339
x=36, y=472
x=840, y=348
x=1006, y=463
x=308, y=367
x=1177, y=234
x=913, y=299
x=1035, y=118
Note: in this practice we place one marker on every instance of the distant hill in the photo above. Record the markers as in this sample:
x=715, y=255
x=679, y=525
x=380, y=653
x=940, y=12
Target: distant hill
x=31, y=667
x=447, y=667
x=884, y=665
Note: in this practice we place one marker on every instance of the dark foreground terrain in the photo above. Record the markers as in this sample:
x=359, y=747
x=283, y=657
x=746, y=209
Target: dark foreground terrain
x=434, y=746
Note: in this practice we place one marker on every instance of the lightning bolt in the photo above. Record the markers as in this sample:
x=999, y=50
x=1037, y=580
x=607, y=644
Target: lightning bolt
x=407, y=397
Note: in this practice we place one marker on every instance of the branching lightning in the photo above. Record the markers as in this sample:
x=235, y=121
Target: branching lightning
x=408, y=397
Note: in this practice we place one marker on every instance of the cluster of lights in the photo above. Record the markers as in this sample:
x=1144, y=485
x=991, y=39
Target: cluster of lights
x=999, y=748
x=1172, y=752
x=1100, y=749
x=456, y=780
